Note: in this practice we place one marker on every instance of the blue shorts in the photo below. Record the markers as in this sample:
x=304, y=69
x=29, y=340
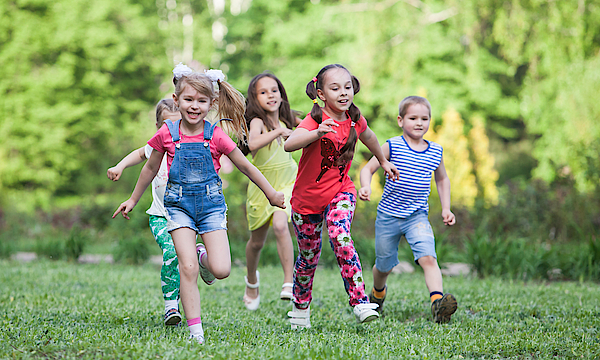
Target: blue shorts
x=388, y=231
x=202, y=211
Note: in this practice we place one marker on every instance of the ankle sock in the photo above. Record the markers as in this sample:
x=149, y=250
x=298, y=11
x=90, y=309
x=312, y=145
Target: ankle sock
x=171, y=304
x=434, y=295
x=379, y=293
x=195, y=326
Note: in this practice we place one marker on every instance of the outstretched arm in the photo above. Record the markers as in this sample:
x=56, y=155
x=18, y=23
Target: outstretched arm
x=134, y=158
x=443, y=187
x=301, y=137
x=148, y=173
x=366, y=174
x=369, y=138
x=276, y=198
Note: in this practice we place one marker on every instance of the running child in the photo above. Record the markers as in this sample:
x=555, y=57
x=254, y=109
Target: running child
x=270, y=122
x=194, y=196
x=403, y=209
x=169, y=273
x=324, y=191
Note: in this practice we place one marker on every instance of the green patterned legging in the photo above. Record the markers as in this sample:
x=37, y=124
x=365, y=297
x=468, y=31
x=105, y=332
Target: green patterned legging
x=169, y=273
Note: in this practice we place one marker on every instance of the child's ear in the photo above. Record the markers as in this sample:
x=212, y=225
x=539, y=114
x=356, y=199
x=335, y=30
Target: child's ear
x=399, y=120
x=175, y=98
x=320, y=94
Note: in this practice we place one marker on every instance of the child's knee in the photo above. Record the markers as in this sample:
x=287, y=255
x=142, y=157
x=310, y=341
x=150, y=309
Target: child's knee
x=428, y=261
x=221, y=271
x=189, y=270
x=280, y=227
x=256, y=243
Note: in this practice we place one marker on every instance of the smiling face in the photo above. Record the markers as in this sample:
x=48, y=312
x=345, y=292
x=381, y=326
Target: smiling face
x=337, y=91
x=415, y=122
x=268, y=94
x=193, y=105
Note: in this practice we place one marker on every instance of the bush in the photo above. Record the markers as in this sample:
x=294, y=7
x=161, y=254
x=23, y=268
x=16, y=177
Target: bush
x=75, y=243
x=134, y=250
x=51, y=248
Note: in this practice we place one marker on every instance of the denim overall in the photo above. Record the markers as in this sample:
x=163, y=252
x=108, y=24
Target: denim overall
x=194, y=195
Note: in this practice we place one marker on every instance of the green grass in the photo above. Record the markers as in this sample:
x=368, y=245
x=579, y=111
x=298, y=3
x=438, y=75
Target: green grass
x=64, y=310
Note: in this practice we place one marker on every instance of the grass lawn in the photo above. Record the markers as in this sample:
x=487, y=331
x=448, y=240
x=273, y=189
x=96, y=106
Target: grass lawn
x=64, y=310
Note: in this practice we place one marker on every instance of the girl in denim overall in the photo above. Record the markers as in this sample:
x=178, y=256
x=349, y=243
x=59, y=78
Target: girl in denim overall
x=194, y=196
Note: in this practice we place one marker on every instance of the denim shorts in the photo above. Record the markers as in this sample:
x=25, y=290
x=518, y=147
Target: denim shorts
x=388, y=231
x=202, y=211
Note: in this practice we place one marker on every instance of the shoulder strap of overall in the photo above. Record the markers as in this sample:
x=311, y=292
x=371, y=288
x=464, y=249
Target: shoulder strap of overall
x=210, y=128
x=173, y=129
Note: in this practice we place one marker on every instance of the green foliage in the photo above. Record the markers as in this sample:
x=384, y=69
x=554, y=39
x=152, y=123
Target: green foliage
x=134, y=250
x=50, y=247
x=66, y=310
x=75, y=243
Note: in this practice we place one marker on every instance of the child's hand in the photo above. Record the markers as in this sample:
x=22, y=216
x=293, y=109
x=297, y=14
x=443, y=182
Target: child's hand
x=125, y=208
x=114, y=173
x=285, y=132
x=390, y=170
x=277, y=199
x=364, y=193
x=326, y=127
x=448, y=217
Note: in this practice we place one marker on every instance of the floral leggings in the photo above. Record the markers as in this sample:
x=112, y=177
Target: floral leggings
x=169, y=272
x=338, y=215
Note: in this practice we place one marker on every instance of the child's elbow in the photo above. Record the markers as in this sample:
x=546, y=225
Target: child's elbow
x=287, y=147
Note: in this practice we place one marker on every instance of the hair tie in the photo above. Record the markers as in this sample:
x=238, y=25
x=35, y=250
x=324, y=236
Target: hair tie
x=315, y=79
x=181, y=70
x=353, y=123
x=315, y=101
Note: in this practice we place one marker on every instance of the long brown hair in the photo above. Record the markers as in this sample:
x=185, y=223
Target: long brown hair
x=347, y=151
x=254, y=110
x=230, y=102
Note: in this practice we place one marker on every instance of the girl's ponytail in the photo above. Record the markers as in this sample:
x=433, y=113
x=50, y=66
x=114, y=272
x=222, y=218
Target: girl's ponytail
x=311, y=90
x=232, y=105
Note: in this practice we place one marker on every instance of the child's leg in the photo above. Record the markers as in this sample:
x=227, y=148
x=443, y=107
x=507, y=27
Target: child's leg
x=339, y=215
x=433, y=275
x=185, y=245
x=388, y=232
x=169, y=274
x=308, y=233
x=253, y=249
x=218, y=259
x=285, y=249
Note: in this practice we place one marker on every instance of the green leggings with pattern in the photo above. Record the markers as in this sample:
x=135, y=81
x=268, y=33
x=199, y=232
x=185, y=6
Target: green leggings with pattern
x=169, y=273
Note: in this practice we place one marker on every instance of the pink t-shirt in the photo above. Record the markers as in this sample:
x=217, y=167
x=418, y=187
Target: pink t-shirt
x=219, y=145
x=318, y=179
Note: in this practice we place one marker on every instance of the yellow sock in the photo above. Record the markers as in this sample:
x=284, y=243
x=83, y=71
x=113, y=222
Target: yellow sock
x=379, y=294
x=435, y=295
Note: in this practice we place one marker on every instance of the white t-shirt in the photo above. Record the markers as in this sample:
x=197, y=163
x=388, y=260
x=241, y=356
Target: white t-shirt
x=159, y=184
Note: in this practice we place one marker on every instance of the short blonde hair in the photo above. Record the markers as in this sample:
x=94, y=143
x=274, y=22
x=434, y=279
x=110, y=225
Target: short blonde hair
x=412, y=100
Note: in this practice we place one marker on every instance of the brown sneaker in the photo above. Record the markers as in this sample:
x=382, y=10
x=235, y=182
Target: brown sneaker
x=442, y=309
x=375, y=300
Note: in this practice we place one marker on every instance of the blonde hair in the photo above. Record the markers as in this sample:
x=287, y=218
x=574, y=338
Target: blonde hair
x=412, y=100
x=230, y=102
x=165, y=105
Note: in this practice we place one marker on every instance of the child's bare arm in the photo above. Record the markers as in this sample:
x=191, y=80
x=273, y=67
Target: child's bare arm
x=258, y=137
x=443, y=187
x=276, y=198
x=369, y=138
x=366, y=174
x=134, y=158
x=301, y=138
x=148, y=173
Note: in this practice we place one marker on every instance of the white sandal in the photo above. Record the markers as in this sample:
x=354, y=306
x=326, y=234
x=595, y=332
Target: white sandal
x=286, y=295
x=299, y=318
x=252, y=304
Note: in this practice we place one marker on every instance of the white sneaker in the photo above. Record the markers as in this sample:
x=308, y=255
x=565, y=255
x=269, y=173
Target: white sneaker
x=366, y=312
x=198, y=338
x=205, y=274
x=299, y=318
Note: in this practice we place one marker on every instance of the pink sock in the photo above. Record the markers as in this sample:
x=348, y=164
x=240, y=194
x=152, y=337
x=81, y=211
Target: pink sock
x=195, y=326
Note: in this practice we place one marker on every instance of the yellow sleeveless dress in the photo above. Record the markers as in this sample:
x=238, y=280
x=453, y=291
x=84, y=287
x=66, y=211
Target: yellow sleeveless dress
x=280, y=169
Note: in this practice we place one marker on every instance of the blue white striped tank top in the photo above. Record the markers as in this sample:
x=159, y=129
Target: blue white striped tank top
x=401, y=198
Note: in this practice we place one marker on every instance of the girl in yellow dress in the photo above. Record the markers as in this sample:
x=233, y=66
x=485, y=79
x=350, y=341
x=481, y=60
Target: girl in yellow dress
x=270, y=121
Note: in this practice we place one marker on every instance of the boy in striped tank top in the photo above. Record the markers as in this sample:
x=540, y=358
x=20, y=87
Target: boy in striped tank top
x=403, y=208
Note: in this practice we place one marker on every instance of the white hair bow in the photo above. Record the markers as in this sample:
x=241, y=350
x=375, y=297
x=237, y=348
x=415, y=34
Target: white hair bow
x=181, y=70
x=214, y=75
